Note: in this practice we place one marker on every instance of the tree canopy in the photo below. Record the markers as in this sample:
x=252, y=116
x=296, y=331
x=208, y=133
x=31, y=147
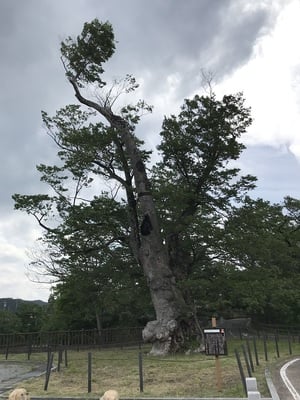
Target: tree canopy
x=174, y=241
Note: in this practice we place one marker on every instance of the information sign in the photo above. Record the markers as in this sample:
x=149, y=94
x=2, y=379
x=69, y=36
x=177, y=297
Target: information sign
x=215, y=342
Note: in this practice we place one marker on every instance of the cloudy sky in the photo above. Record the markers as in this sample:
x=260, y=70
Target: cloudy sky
x=248, y=45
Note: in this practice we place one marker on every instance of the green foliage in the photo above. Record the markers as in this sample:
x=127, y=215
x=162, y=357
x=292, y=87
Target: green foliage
x=195, y=186
x=83, y=57
x=9, y=322
x=31, y=316
x=32, y=203
x=262, y=242
x=83, y=146
x=198, y=147
x=268, y=236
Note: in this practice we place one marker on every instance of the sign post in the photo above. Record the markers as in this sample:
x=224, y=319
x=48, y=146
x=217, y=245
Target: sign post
x=215, y=344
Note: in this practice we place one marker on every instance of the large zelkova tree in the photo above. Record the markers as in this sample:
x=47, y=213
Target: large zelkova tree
x=163, y=220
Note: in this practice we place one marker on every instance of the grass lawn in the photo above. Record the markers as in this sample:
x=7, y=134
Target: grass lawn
x=193, y=375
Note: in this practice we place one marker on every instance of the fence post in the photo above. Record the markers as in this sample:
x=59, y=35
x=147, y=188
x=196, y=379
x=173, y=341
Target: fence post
x=29, y=350
x=59, y=358
x=48, y=372
x=49, y=352
x=249, y=354
x=89, y=372
x=276, y=344
x=265, y=348
x=290, y=344
x=241, y=369
x=246, y=361
x=66, y=358
x=141, y=372
x=255, y=351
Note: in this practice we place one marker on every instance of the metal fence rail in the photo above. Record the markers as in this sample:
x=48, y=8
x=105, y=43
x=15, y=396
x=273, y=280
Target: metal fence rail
x=41, y=341
x=93, y=338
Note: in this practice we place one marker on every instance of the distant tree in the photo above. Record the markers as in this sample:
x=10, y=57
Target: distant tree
x=9, y=322
x=263, y=260
x=31, y=316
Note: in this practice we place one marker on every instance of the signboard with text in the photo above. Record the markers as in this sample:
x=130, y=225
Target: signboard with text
x=215, y=342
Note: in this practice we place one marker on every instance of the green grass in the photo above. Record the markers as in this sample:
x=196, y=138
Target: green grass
x=180, y=375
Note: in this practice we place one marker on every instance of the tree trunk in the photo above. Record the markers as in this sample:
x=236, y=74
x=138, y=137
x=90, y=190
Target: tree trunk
x=165, y=333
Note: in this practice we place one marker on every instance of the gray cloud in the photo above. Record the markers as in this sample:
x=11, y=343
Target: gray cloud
x=155, y=39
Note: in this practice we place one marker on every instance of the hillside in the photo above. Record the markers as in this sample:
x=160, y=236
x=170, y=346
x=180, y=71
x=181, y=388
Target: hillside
x=10, y=304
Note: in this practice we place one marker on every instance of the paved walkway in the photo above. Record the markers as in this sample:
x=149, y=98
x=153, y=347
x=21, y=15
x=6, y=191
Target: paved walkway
x=290, y=376
x=13, y=372
x=286, y=379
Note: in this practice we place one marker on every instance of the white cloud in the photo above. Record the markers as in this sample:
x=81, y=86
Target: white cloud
x=16, y=236
x=270, y=84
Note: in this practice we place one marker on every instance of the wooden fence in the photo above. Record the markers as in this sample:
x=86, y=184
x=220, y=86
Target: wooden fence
x=43, y=341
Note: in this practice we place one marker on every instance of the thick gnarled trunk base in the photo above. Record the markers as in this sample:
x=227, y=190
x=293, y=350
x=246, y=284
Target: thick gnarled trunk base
x=165, y=336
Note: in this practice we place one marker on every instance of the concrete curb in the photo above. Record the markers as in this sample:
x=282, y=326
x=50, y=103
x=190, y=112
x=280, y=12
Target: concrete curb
x=271, y=386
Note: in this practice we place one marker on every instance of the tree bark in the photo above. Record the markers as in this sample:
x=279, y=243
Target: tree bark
x=165, y=333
